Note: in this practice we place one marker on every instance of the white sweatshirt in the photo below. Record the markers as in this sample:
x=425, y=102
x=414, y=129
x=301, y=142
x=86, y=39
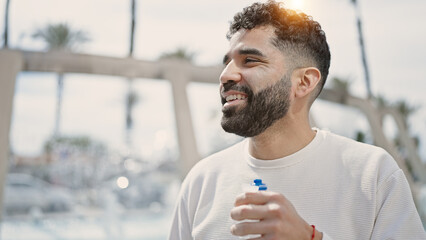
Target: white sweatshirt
x=348, y=190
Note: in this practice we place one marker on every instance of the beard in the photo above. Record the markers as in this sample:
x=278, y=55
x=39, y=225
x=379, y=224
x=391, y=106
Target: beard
x=261, y=110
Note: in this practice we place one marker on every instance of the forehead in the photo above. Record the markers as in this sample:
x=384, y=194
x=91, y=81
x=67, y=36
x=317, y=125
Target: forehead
x=258, y=38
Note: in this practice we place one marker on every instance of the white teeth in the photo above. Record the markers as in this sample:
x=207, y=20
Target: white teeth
x=236, y=96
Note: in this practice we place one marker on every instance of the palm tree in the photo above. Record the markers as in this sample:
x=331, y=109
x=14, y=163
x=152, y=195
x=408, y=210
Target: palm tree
x=60, y=37
x=6, y=24
x=341, y=87
x=406, y=110
x=131, y=97
x=132, y=27
x=180, y=53
x=362, y=47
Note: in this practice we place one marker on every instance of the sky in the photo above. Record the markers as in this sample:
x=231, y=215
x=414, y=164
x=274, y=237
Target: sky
x=94, y=105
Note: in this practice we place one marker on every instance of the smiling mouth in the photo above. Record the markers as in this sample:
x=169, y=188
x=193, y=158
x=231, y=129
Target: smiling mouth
x=234, y=97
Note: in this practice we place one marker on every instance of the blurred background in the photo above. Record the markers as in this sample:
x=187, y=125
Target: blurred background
x=96, y=156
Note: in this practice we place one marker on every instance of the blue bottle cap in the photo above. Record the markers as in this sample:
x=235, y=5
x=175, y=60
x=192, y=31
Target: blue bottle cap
x=258, y=182
x=263, y=187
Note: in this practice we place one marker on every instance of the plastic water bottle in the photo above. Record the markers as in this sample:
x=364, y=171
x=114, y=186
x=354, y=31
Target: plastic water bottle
x=256, y=185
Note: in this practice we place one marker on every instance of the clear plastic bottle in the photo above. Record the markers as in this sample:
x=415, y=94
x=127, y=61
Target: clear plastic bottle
x=256, y=185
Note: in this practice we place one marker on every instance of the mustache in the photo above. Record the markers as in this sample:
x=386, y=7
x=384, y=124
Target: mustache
x=231, y=85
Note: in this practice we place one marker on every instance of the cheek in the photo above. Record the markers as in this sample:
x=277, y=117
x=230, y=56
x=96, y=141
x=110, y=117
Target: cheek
x=257, y=79
x=252, y=79
x=293, y=90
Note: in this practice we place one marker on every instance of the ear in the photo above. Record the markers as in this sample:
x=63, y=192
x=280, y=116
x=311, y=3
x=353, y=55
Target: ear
x=308, y=80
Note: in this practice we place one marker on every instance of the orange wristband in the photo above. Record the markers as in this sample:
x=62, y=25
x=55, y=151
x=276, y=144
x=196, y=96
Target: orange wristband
x=313, y=233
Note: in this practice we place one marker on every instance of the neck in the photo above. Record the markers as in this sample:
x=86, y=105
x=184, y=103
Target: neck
x=283, y=138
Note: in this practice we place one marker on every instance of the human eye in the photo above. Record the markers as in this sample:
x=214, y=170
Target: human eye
x=226, y=60
x=250, y=60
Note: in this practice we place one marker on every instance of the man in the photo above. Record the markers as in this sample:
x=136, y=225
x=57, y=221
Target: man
x=320, y=185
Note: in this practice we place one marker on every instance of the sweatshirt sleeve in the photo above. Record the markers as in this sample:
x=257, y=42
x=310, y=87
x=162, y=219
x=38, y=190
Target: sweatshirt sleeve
x=396, y=216
x=180, y=228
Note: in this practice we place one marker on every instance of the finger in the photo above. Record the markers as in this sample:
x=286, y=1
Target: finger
x=246, y=228
x=256, y=198
x=258, y=238
x=252, y=212
x=262, y=227
x=259, y=198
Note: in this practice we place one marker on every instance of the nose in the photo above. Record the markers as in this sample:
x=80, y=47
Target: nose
x=230, y=73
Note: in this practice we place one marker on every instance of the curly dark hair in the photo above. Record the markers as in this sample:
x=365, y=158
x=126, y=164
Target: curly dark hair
x=297, y=34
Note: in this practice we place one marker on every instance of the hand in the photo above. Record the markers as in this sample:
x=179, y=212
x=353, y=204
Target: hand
x=277, y=217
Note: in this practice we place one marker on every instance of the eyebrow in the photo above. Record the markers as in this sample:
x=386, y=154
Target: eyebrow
x=251, y=51
x=245, y=51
